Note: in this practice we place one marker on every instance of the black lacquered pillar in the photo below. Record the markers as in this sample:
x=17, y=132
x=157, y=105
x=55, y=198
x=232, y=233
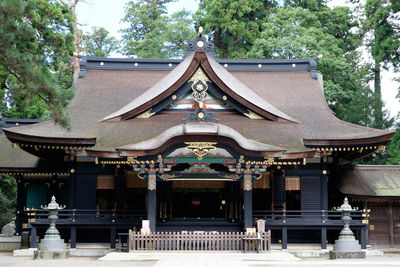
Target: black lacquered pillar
x=248, y=199
x=151, y=201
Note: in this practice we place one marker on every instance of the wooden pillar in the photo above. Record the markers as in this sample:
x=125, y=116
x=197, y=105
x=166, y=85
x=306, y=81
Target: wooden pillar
x=19, y=206
x=112, y=237
x=33, y=237
x=248, y=209
x=366, y=232
x=72, y=191
x=151, y=201
x=363, y=239
x=390, y=222
x=247, y=199
x=73, y=237
x=120, y=188
x=324, y=188
x=323, y=237
x=284, y=237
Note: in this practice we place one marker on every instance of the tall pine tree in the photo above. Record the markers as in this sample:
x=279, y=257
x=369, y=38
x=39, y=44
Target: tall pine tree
x=36, y=48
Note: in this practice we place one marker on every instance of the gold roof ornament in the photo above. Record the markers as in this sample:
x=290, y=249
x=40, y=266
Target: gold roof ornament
x=200, y=149
x=199, y=86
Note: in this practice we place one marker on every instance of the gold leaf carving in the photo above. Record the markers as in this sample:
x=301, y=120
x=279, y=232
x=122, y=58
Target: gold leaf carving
x=200, y=149
x=253, y=116
x=145, y=115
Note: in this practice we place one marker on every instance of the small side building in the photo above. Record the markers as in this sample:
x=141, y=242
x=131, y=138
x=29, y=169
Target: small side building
x=376, y=188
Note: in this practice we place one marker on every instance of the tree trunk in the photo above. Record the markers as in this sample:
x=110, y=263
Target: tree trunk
x=75, y=59
x=378, y=112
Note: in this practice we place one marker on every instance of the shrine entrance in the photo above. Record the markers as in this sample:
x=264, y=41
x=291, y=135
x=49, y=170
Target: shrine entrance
x=198, y=199
x=198, y=203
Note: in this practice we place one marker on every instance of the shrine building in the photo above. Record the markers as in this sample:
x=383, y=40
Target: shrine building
x=192, y=144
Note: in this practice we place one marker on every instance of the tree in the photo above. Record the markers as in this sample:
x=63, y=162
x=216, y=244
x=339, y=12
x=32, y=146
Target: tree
x=294, y=32
x=232, y=25
x=393, y=151
x=98, y=43
x=152, y=34
x=8, y=197
x=384, y=44
x=36, y=47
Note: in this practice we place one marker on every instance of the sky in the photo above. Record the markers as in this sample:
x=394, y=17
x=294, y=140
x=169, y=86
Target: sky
x=108, y=14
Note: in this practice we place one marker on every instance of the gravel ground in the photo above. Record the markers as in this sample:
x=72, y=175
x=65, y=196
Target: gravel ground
x=7, y=260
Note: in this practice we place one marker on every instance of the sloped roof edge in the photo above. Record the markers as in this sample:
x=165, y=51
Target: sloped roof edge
x=100, y=63
x=173, y=80
x=200, y=128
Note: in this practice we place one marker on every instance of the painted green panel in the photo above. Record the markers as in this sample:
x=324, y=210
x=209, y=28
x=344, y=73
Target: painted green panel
x=36, y=195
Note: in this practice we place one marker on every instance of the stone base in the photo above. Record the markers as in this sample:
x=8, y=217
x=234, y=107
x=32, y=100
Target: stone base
x=50, y=254
x=346, y=246
x=9, y=243
x=50, y=244
x=334, y=255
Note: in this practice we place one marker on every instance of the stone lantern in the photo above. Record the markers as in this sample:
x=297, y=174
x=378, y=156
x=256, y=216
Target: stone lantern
x=346, y=247
x=52, y=246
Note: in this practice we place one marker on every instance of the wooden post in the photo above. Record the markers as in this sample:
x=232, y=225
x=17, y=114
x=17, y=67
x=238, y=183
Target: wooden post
x=390, y=223
x=363, y=239
x=112, y=237
x=248, y=203
x=323, y=237
x=366, y=234
x=151, y=208
x=324, y=189
x=73, y=237
x=72, y=191
x=284, y=237
x=33, y=237
x=20, y=206
x=120, y=185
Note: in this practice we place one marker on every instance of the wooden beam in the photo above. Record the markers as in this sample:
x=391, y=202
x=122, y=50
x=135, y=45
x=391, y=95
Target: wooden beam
x=390, y=224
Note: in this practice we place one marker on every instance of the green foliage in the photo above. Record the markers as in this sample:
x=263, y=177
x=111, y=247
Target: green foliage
x=232, y=25
x=36, y=48
x=98, y=43
x=294, y=32
x=384, y=44
x=151, y=33
x=393, y=151
x=8, y=197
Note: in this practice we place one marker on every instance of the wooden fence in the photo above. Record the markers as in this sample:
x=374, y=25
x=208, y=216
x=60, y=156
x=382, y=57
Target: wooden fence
x=199, y=241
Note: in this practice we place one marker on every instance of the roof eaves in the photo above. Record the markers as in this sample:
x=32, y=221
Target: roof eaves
x=100, y=63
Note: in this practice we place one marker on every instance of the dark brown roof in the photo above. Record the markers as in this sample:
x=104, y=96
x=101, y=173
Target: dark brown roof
x=371, y=180
x=14, y=157
x=295, y=93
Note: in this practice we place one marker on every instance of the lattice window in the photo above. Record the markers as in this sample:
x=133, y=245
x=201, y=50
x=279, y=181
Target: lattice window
x=292, y=183
x=378, y=212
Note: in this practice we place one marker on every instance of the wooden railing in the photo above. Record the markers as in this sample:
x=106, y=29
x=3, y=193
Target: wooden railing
x=199, y=241
x=304, y=216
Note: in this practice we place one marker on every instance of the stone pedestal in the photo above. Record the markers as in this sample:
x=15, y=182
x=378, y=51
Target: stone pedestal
x=56, y=244
x=52, y=246
x=349, y=249
x=346, y=247
x=335, y=255
x=50, y=254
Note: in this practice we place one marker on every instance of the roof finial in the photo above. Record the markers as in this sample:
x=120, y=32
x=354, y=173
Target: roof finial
x=200, y=31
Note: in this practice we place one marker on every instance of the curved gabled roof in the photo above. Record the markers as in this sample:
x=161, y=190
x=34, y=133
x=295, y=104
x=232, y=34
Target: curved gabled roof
x=205, y=128
x=181, y=74
x=276, y=90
